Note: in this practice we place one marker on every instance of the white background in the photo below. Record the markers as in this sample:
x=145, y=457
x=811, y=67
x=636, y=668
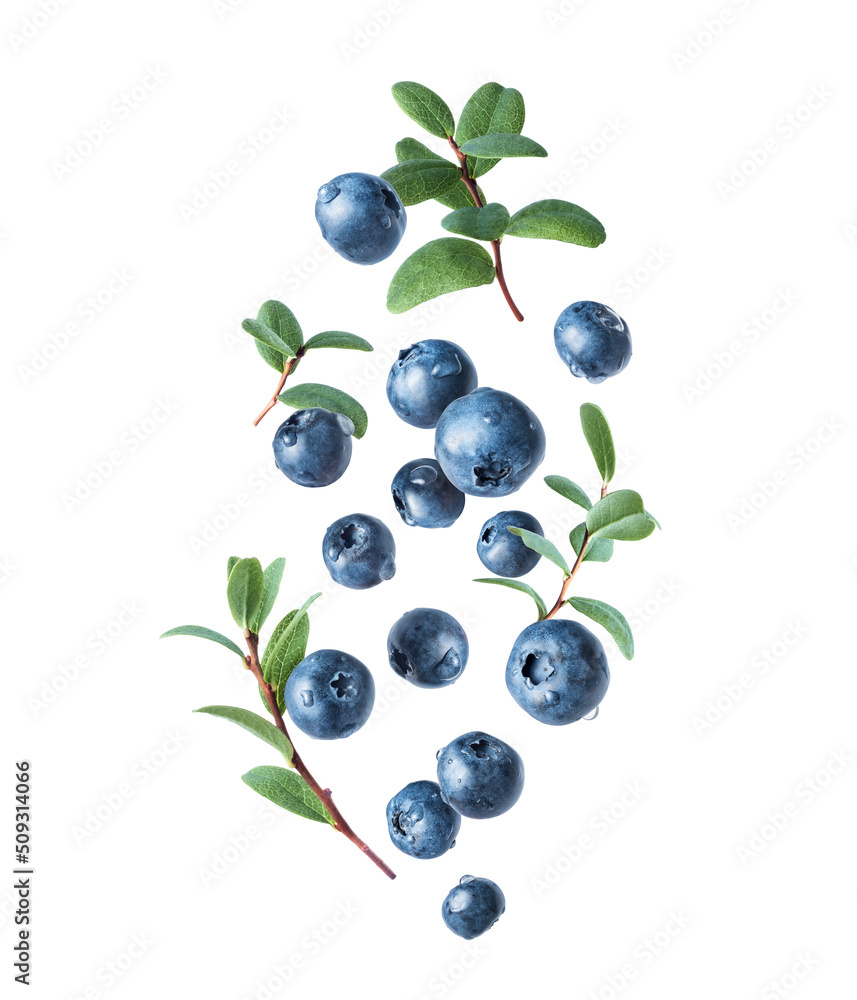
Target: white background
x=652, y=115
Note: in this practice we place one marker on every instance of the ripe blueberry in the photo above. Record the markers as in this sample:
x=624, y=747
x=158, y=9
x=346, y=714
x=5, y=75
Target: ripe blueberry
x=313, y=447
x=420, y=822
x=426, y=378
x=489, y=443
x=359, y=551
x=593, y=340
x=428, y=648
x=472, y=906
x=361, y=217
x=479, y=775
x=557, y=671
x=424, y=497
x=329, y=694
x=502, y=552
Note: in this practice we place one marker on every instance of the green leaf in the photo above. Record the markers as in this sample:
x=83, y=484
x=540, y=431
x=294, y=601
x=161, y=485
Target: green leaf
x=492, y=108
x=286, y=648
x=273, y=577
x=425, y=107
x=608, y=617
x=336, y=338
x=487, y=223
x=206, y=633
x=557, y=220
x=457, y=196
x=280, y=320
x=538, y=543
x=413, y=149
x=500, y=145
x=571, y=491
x=309, y=394
x=287, y=790
x=230, y=563
x=597, y=550
x=265, y=335
x=244, y=591
x=416, y=181
x=596, y=430
x=620, y=515
x=524, y=588
x=445, y=265
x=255, y=724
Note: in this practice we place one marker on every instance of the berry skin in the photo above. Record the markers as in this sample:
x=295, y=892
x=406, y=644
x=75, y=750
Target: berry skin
x=557, y=671
x=503, y=553
x=424, y=497
x=428, y=648
x=489, y=443
x=361, y=217
x=593, y=340
x=330, y=694
x=426, y=378
x=420, y=823
x=479, y=775
x=472, y=906
x=359, y=551
x=313, y=447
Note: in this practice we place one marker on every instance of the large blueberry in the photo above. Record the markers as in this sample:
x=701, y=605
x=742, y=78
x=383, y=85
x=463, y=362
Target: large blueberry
x=329, y=694
x=425, y=379
x=361, y=217
x=489, y=443
x=424, y=497
x=502, y=552
x=472, y=906
x=557, y=671
x=420, y=822
x=479, y=775
x=313, y=447
x=428, y=648
x=359, y=551
x=593, y=340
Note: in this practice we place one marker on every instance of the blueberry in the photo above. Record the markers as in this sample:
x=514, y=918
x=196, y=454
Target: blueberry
x=489, y=443
x=424, y=497
x=329, y=694
x=313, y=447
x=557, y=671
x=472, y=906
x=420, y=822
x=359, y=551
x=428, y=648
x=426, y=378
x=361, y=217
x=593, y=340
x=502, y=552
x=479, y=775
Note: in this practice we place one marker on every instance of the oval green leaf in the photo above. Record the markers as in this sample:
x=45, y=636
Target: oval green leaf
x=445, y=265
x=272, y=576
x=254, y=724
x=487, y=223
x=425, y=107
x=206, y=633
x=309, y=394
x=416, y=181
x=265, y=335
x=571, y=491
x=596, y=430
x=620, y=515
x=491, y=108
x=458, y=195
x=538, y=543
x=499, y=145
x=609, y=618
x=557, y=220
x=338, y=338
x=597, y=550
x=244, y=591
x=287, y=790
x=524, y=588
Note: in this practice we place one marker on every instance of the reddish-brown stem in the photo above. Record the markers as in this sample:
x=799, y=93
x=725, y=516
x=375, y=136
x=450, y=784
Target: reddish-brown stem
x=272, y=402
x=495, y=244
x=567, y=580
x=323, y=793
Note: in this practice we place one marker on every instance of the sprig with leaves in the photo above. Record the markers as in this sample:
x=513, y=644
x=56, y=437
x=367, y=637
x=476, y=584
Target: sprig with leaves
x=488, y=131
x=280, y=341
x=616, y=516
x=251, y=593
